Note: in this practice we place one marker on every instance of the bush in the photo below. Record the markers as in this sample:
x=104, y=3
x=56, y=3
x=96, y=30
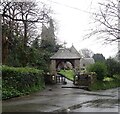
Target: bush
x=107, y=83
x=99, y=68
x=103, y=85
x=113, y=67
x=20, y=81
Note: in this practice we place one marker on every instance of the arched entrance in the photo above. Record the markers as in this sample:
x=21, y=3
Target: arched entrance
x=65, y=55
x=64, y=64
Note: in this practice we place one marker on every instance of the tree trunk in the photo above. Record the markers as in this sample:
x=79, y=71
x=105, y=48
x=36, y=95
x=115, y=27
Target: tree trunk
x=4, y=50
x=25, y=44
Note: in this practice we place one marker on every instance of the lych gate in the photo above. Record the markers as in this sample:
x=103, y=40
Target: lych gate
x=64, y=55
x=59, y=61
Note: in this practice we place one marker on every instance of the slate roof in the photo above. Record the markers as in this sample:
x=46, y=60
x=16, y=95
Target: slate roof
x=66, y=53
x=86, y=61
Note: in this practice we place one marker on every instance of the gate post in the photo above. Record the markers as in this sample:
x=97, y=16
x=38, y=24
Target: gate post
x=53, y=67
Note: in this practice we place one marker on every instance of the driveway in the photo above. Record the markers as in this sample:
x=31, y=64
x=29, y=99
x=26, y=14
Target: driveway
x=57, y=99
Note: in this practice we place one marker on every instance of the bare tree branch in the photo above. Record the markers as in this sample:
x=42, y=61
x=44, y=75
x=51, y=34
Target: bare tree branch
x=106, y=22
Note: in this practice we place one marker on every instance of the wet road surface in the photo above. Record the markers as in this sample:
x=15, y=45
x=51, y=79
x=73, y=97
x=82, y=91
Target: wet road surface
x=57, y=99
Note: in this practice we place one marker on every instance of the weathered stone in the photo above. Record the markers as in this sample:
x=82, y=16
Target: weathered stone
x=85, y=79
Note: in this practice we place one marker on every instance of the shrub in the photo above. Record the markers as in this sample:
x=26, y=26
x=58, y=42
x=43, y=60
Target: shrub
x=20, y=81
x=103, y=85
x=113, y=67
x=99, y=68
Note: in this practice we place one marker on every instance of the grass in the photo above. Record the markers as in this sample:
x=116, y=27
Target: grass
x=106, y=84
x=68, y=74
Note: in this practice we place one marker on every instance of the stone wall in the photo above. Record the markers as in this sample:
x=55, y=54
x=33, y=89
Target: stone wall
x=85, y=79
x=77, y=64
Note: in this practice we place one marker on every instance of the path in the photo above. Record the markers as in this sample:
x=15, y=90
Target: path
x=57, y=99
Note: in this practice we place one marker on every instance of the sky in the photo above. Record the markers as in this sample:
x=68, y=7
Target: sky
x=73, y=21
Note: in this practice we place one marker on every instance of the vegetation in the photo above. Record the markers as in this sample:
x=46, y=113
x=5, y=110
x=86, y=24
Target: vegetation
x=100, y=69
x=113, y=67
x=99, y=57
x=23, y=46
x=87, y=53
x=108, y=74
x=68, y=74
x=20, y=81
x=19, y=27
x=106, y=84
x=105, y=21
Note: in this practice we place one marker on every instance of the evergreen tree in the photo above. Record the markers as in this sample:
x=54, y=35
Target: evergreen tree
x=99, y=57
x=48, y=41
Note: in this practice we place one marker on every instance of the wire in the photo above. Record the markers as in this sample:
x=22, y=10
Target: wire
x=71, y=7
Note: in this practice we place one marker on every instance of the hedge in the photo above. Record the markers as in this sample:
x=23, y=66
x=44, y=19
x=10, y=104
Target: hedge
x=20, y=81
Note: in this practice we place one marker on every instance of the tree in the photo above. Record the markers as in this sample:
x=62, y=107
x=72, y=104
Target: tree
x=106, y=21
x=87, y=53
x=98, y=57
x=113, y=67
x=18, y=21
x=117, y=57
x=48, y=38
x=99, y=68
x=36, y=43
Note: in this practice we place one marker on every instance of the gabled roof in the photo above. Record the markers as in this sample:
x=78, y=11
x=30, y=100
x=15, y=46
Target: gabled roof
x=73, y=50
x=66, y=53
x=86, y=61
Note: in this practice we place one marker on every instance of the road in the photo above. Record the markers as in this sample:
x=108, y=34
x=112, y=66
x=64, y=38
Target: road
x=57, y=99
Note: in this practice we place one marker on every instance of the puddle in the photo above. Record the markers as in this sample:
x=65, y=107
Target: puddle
x=103, y=103
x=96, y=94
x=96, y=104
x=68, y=109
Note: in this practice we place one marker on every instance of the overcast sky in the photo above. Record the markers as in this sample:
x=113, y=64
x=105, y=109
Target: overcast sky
x=73, y=18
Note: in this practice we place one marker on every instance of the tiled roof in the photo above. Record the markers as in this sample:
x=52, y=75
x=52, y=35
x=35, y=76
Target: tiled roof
x=65, y=53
